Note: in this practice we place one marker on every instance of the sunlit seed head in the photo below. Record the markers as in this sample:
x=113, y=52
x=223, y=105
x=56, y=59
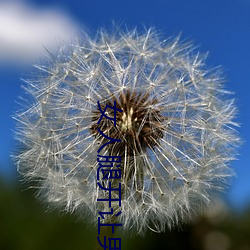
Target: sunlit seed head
x=177, y=129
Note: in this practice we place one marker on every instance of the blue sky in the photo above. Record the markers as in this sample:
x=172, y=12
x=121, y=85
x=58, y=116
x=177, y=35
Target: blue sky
x=221, y=27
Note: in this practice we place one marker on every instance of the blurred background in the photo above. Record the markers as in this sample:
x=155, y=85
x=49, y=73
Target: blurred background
x=29, y=28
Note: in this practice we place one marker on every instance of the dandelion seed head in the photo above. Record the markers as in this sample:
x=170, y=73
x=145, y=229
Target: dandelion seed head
x=177, y=128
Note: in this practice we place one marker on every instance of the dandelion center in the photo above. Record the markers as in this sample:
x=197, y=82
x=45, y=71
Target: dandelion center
x=139, y=126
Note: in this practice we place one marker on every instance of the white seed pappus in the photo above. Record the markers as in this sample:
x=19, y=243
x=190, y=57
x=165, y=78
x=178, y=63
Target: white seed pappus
x=177, y=128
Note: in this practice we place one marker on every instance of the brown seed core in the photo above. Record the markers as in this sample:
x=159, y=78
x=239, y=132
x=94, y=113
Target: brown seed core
x=139, y=126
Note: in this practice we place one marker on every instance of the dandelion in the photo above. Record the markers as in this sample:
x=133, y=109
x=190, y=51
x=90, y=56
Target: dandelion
x=177, y=131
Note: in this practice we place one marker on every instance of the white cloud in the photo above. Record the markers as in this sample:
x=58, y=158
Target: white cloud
x=25, y=31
